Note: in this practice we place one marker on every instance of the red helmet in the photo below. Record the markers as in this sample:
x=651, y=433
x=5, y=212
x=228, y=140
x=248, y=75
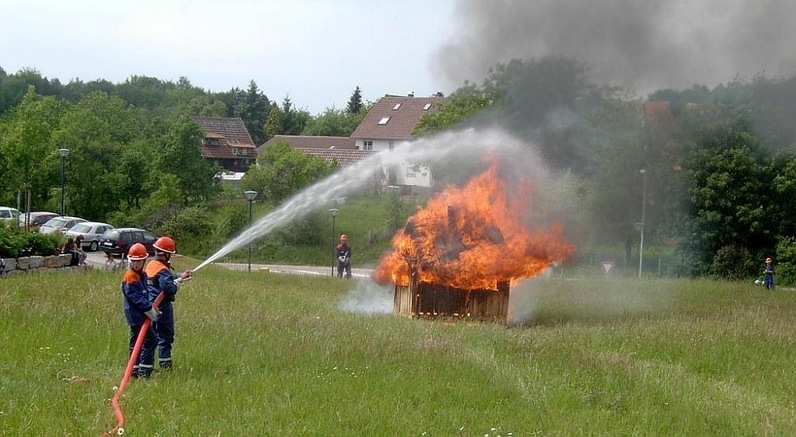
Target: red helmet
x=137, y=252
x=343, y=237
x=165, y=244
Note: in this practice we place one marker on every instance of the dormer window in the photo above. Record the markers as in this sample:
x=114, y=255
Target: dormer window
x=384, y=120
x=426, y=106
x=212, y=141
x=397, y=105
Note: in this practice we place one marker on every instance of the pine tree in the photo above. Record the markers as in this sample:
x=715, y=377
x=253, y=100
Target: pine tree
x=355, y=102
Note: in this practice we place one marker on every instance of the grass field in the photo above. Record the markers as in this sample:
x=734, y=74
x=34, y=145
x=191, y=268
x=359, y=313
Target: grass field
x=265, y=354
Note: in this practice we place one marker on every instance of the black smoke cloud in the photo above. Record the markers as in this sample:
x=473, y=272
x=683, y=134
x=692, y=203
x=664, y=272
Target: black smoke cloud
x=641, y=45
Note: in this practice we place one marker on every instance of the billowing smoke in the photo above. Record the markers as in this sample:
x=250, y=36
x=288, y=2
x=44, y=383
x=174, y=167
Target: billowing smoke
x=641, y=45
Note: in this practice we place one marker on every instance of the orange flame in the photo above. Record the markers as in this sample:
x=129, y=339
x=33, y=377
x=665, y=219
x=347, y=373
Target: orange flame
x=471, y=238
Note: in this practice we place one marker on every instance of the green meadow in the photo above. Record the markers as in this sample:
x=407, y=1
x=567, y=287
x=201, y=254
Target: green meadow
x=268, y=354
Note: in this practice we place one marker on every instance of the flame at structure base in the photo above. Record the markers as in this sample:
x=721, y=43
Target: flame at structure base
x=472, y=238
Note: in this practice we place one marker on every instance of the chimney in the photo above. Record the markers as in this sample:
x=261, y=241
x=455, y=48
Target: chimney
x=412, y=94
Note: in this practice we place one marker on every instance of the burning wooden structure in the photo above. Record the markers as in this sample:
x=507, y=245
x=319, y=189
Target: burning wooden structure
x=457, y=256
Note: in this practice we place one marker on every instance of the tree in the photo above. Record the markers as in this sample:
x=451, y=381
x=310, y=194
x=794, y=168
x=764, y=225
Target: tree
x=181, y=157
x=28, y=152
x=99, y=132
x=253, y=107
x=355, y=102
x=334, y=122
x=728, y=198
x=282, y=171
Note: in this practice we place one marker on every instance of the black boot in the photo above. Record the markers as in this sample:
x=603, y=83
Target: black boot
x=166, y=365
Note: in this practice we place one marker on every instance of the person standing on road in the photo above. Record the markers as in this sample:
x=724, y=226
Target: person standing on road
x=161, y=279
x=768, y=275
x=137, y=308
x=344, y=257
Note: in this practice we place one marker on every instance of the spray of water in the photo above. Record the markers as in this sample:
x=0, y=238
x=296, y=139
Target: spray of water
x=350, y=179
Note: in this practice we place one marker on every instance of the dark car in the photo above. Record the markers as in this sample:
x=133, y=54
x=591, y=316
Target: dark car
x=118, y=241
x=35, y=219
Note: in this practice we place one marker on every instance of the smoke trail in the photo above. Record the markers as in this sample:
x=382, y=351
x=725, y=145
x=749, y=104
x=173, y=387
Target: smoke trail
x=642, y=45
x=466, y=145
x=368, y=298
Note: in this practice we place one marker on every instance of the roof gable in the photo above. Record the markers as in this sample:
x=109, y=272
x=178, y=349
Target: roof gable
x=230, y=129
x=395, y=117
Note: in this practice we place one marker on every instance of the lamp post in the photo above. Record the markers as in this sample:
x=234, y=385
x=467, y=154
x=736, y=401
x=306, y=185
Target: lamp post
x=250, y=196
x=63, y=153
x=643, y=212
x=333, y=212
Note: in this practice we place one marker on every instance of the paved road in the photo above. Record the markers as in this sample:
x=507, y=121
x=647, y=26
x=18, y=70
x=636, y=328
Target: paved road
x=97, y=259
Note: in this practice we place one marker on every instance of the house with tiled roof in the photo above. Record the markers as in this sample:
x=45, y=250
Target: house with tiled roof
x=390, y=122
x=227, y=143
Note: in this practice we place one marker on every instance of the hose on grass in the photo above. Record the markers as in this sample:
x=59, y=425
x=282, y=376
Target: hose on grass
x=139, y=342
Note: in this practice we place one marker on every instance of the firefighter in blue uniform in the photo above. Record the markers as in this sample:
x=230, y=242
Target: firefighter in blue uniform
x=161, y=279
x=137, y=308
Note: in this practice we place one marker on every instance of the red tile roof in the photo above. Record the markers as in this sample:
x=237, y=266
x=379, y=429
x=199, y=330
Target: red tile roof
x=404, y=112
x=310, y=142
x=344, y=157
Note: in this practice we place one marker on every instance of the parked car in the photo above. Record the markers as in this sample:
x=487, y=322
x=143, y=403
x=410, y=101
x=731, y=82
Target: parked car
x=118, y=241
x=60, y=224
x=35, y=219
x=8, y=214
x=91, y=232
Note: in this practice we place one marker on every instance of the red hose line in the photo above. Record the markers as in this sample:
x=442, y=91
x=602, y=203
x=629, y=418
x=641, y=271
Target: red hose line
x=139, y=342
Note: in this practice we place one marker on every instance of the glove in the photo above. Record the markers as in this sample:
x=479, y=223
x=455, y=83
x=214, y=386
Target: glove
x=153, y=313
x=341, y=259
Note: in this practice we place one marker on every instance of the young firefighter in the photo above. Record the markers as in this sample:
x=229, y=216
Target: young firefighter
x=344, y=257
x=137, y=308
x=768, y=275
x=161, y=279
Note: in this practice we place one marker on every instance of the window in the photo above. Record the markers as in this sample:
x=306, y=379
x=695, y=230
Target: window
x=367, y=145
x=234, y=150
x=244, y=152
x=392, y=145
x=397, y=105
x=211, y=141
x=384, y=120
x=427, y=106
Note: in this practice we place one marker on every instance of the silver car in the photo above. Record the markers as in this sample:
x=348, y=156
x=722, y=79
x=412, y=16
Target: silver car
x=9, y=214
x=60, y=224
x=91, y=232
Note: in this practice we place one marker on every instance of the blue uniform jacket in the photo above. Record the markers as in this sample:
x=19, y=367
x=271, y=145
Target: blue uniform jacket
x=136, y=297
x=161, y=279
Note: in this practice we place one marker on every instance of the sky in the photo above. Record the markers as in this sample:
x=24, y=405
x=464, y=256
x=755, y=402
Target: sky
x=316, y=52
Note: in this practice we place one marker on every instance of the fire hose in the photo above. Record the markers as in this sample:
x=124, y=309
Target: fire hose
x=139, y=342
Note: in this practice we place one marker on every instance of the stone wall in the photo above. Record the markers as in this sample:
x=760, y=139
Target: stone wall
x=40, y=264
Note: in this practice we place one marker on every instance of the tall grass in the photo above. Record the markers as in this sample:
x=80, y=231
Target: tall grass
x=265, y=354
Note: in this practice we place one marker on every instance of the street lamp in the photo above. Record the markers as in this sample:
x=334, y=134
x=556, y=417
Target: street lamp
x=333, y=212
x=250, y=196
x=643, y=212
x=63, y=153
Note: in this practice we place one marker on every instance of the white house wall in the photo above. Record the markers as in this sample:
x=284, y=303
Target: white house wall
x=408, y=174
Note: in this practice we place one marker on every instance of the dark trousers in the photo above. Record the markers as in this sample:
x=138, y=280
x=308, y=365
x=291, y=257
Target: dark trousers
x=768, y=282
x=146, y=359
x=164, y=328
x=341, y=266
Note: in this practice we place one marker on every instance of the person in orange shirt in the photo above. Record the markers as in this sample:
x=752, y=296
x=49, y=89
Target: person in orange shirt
x=161, y=279
x=344, y=257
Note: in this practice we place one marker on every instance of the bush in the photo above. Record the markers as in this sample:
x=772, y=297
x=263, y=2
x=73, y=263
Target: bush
x=786, y=262
x=16, y=242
